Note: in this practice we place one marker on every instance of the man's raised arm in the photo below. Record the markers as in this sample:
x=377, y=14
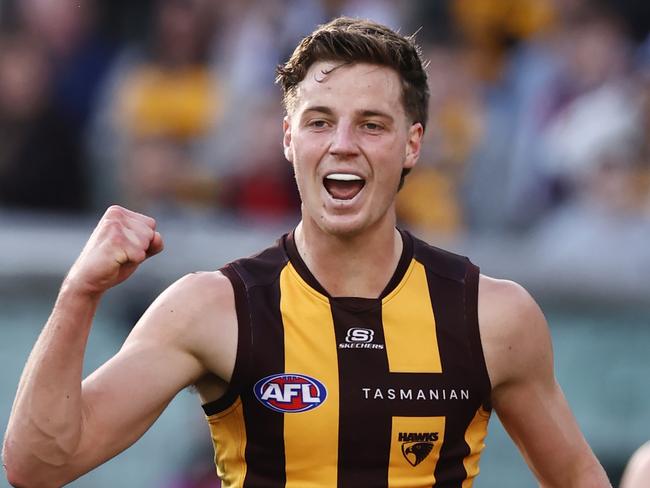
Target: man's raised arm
x=60, y=428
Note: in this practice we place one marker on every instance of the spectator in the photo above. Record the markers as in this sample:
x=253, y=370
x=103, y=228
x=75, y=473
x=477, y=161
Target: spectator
x=473, y=114
x=162, y=104
x=430, y=199
x=40, y=164
x=78, y=51
x=261, y=187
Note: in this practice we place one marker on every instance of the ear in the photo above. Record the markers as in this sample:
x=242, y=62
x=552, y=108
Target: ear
x=286, y=138
x=413, y=145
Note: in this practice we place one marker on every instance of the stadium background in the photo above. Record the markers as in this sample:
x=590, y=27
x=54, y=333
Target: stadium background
x=537, y=165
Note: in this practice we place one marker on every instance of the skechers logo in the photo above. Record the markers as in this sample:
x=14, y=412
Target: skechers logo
x=360, y=338
x=290, y=393
x=357, y=334
x=416, y=446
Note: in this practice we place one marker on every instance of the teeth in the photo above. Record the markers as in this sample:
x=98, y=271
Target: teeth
x=343, y=177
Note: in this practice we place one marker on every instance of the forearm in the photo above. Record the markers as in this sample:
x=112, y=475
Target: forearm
x=581, y=470
x=594, y=477
x=591, y=475
x=45, y=425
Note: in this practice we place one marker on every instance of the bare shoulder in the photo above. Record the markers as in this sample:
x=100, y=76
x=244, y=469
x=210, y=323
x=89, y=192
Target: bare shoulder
x=200, y=286
x=196, y=314
x=189, y=302
x=513, y=329
x=505, y=297
x=507, y=310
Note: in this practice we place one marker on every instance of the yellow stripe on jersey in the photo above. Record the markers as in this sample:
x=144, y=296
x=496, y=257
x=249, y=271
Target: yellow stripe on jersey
x=414, y=451
x=228, y=433
x=410, y=325
x=308, y=326
x=475, y=439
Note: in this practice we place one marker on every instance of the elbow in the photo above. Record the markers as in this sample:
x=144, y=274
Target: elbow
x=15, y=476
x=24, y=479
x=18, y=481
x=15, y=480
x=20, y=473
x=9, y=467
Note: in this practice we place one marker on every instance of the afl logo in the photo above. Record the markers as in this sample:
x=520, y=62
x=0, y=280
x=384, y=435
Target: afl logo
x=290, y=393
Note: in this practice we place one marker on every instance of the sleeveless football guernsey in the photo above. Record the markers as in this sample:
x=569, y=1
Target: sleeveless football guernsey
x=353, y=392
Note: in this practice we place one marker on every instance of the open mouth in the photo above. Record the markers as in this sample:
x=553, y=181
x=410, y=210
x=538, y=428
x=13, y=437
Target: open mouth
x=343, y=186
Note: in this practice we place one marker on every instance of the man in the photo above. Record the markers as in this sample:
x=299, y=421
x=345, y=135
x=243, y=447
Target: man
x=350, y=354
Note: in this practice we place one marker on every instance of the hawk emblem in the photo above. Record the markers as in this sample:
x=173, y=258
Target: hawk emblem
x=416, y=452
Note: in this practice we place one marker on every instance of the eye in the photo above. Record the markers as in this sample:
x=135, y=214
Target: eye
x=317, y=124
x=372, y=126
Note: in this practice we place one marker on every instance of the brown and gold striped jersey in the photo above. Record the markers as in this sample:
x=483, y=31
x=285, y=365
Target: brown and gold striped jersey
x=353, y=392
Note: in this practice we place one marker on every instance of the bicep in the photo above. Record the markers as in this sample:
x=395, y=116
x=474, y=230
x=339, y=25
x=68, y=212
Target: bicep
x=122, y=398
x=538, y=419
x=126, y=395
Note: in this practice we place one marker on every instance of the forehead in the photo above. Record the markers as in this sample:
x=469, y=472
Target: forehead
x=355, y=86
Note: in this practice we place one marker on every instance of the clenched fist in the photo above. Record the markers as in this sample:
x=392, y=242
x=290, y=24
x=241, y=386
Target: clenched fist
x=121, y=241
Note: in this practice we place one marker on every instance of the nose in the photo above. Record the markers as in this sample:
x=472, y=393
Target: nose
x=344, y=141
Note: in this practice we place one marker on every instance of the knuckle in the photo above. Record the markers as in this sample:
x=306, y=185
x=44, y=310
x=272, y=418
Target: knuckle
x=113, y=224
x=136, y=255
x=113, y=228
x=149, y=233
x=118, y=239
x=145, y=220
x=115, y=210
x=138, y=237
x=143, y=230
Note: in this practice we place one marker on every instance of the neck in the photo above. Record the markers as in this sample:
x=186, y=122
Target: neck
x=360, y=265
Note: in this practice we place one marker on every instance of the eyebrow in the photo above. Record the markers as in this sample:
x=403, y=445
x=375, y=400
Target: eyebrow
x=376, y=113
x=319, y=108
x=363, y=113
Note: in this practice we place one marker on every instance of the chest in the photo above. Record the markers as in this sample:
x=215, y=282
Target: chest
x=407, y=354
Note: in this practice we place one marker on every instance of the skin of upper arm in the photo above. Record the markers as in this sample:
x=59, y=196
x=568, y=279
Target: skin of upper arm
x=637, y=472
x=525, y=393
x=188, y=332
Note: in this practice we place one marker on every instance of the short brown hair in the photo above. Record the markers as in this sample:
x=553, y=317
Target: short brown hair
x=361, y=41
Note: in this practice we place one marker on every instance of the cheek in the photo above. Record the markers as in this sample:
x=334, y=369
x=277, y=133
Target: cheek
x=391, y=164
x=301, y=175
x=307, y=155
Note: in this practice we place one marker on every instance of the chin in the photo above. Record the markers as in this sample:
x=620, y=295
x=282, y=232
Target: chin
x=343, y=225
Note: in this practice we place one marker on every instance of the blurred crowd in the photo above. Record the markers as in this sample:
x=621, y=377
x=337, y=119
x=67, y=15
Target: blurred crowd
x=539, y=116
x=540, y=109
